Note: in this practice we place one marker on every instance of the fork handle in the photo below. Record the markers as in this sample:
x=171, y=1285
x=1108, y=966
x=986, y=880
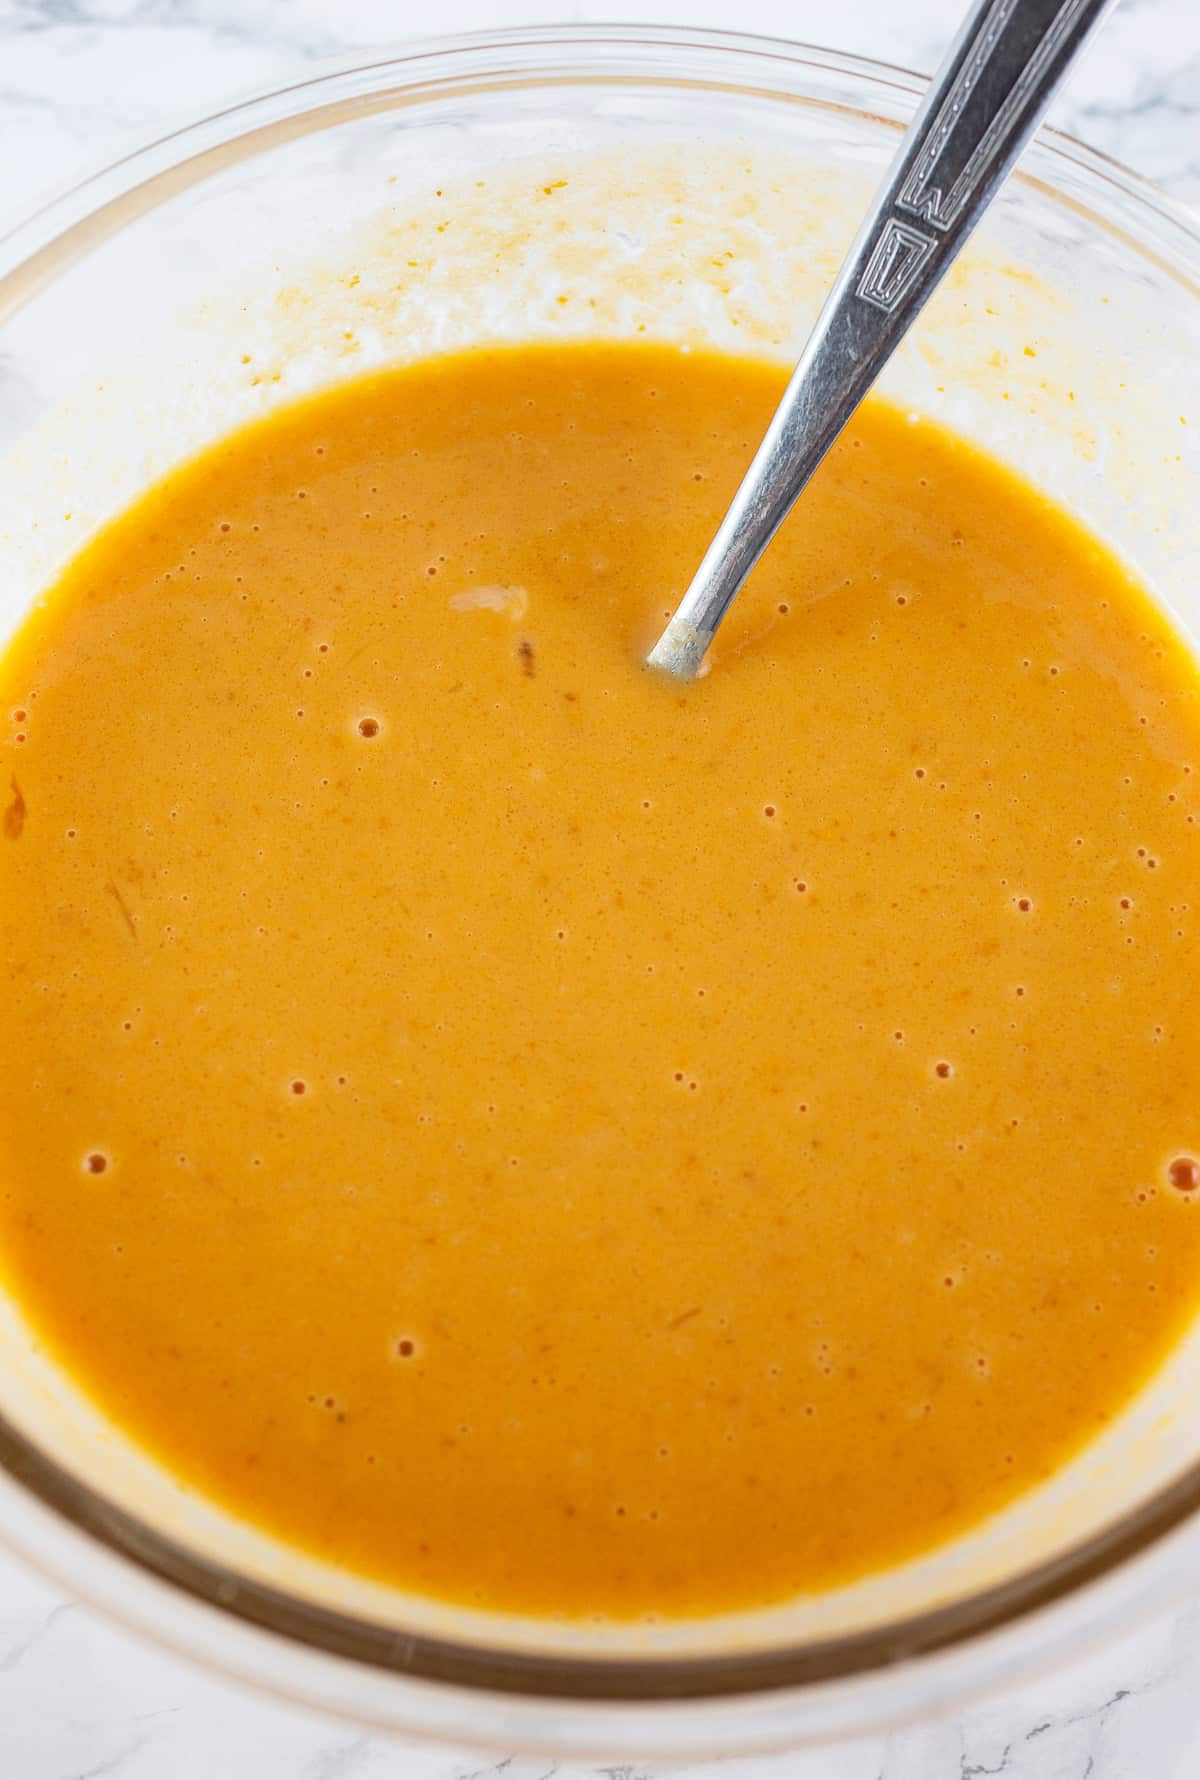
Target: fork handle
x=981, y=108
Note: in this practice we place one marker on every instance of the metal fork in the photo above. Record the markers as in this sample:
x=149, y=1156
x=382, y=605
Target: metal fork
x=999, y=75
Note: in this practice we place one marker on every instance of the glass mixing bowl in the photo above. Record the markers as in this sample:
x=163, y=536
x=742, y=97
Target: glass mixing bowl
x=639, y=184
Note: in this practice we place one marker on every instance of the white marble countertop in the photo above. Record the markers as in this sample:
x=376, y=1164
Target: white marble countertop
x=80, y=82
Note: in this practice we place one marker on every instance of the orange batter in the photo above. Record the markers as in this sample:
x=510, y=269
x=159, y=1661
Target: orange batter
x=554, y=1138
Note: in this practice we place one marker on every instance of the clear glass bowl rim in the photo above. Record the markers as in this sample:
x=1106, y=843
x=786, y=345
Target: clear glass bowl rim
x=60, y=233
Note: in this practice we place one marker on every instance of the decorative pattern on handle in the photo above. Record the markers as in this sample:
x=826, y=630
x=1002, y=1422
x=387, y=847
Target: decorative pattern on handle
x=917, y=194
x=896, y=258
x=931, y=190
x=941, y=207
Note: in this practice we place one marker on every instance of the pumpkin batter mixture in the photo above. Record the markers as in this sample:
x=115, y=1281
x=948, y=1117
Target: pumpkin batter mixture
x=553, y=1138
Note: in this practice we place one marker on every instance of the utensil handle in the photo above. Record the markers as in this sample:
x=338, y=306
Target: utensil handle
x=981, y=108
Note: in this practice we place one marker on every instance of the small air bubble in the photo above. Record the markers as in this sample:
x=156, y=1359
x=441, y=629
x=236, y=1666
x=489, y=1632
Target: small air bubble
x=1184, y=1174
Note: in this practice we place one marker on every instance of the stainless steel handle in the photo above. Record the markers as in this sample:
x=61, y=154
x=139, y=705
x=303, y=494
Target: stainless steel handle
x=981, y=108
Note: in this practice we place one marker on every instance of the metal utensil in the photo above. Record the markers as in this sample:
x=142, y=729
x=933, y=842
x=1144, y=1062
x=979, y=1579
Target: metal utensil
x=1003, y=68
